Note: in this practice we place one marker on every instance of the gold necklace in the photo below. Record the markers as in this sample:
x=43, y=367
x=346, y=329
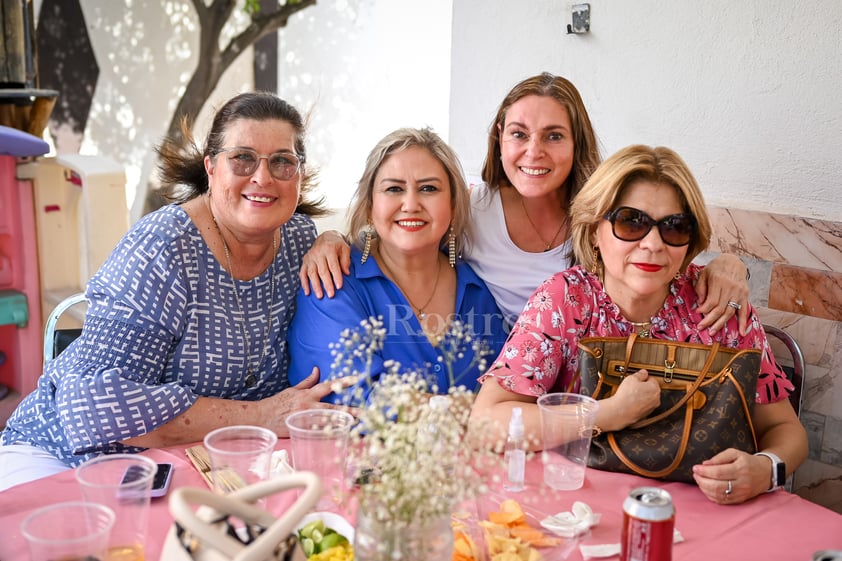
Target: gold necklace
x=642, y=327
x=250, y=380
x=418, y=310
x=549, y=245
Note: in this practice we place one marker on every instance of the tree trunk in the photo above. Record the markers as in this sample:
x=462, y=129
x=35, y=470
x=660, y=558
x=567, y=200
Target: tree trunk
x=213, y=63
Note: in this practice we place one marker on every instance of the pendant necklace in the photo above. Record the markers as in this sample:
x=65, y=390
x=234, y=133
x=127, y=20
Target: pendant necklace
x=642, y=327
x=418, y=310
x=549, y=245
x=250, y=380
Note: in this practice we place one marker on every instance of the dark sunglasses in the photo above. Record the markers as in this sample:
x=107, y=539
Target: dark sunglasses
x=631, y=225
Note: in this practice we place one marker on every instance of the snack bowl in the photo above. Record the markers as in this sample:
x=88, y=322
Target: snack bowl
x=493, y=506
x=330, y=520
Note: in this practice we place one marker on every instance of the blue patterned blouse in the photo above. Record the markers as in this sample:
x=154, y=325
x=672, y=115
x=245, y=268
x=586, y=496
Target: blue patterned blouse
x=163, y=328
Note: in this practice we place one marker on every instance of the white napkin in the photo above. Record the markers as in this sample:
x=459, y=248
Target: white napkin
x=574, y=523
x=611, y=549
x=280, y=463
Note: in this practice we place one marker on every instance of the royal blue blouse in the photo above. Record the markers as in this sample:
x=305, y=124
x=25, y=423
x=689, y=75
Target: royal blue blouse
x=368, y=293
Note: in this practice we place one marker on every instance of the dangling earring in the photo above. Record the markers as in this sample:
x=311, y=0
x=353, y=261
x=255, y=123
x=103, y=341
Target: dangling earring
x=451, y=249
x=369, y=233
x=595, y=265
x=677, y=276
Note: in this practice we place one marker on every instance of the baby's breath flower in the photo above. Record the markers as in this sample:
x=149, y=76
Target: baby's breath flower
x=414, y=461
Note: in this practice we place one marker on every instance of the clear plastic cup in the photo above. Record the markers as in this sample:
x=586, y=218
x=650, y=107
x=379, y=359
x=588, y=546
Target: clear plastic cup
x=319, y=439
x=567, y=422
x=68, y=531
x=239, y=455
x=123, y=483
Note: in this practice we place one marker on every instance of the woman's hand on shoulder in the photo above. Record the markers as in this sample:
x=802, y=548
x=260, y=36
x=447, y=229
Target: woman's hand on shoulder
x=324, y=264
x=307, y=394
x=723, y=291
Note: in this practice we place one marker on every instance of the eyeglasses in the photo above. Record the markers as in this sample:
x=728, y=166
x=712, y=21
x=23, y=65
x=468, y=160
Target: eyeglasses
x=631, y=225
x=245, y=161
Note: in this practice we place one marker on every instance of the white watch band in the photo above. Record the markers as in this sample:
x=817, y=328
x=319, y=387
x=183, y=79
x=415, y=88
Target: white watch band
x=776, y=482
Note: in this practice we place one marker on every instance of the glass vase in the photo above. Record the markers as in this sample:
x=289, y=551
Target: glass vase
x=378, y=541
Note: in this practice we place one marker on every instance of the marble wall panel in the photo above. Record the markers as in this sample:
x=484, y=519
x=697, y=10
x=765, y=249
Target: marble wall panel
x=797, y=241
x=820, y=483
x=796, y=284
x=806, y=291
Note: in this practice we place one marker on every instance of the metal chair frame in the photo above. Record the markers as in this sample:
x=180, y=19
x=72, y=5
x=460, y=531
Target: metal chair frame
x=799, y=368
x=799, y=365
x=51, y=349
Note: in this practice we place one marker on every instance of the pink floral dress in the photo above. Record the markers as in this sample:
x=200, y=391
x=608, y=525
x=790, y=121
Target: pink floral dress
x=541, y=354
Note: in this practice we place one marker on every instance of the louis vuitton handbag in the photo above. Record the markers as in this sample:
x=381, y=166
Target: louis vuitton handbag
x=707, y=396
x=234, y=527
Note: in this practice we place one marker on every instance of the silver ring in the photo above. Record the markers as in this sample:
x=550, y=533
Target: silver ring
x=735, y=305
x=729, y=489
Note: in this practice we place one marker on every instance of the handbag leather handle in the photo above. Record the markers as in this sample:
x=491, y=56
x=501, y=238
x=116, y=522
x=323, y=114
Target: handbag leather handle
x=688, y=394
x=685, y=439
x=239, y=504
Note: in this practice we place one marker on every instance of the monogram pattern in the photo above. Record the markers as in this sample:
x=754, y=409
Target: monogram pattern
x=668, y=449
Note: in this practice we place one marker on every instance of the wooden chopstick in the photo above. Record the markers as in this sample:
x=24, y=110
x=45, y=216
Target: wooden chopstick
x=200, y=459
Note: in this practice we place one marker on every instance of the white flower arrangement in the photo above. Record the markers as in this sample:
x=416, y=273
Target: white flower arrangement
x=414, y=460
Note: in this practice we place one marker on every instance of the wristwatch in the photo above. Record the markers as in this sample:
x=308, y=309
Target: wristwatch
x=778, y=471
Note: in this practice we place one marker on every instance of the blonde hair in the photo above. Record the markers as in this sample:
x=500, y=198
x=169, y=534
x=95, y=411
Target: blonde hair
x=635, y=163
x=397, y=141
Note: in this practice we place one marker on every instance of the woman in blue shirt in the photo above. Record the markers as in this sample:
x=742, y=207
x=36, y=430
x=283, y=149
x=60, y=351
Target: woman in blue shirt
x=410, y=205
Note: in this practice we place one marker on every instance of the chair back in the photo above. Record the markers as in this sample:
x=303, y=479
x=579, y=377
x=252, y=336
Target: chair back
x=56, y=340
x=796, y=372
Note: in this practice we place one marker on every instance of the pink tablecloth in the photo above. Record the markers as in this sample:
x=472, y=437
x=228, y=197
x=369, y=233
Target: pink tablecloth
x=775, y=526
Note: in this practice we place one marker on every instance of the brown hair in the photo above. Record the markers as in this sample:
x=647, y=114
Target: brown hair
x=181, y=167
x=586, y=156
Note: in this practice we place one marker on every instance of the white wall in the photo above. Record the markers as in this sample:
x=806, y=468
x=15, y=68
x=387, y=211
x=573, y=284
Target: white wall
x=749, y=93
x=365, y=67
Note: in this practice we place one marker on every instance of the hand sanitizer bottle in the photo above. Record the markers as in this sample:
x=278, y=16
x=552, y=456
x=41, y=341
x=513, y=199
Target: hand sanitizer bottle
x=515, y=455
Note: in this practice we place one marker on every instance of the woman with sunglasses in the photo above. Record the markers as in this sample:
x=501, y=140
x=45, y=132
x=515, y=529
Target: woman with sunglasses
x=636, y=226
x=541, y=150
x=186, y=324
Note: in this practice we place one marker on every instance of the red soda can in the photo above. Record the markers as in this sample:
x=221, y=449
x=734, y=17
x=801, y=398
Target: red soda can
x=648, y=521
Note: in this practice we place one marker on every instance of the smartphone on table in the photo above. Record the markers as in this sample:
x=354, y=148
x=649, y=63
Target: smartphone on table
x=161, y=481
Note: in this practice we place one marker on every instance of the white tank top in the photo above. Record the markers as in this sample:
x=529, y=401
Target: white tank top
x=511, y=274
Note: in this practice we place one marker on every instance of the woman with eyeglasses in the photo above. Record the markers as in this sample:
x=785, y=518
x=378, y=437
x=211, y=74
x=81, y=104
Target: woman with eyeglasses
x=636, y=225
x=187, y=319
x=541, y=150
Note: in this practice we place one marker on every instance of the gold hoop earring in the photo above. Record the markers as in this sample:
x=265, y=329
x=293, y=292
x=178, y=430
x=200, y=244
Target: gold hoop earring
x=369, y=233
x=451, y=249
